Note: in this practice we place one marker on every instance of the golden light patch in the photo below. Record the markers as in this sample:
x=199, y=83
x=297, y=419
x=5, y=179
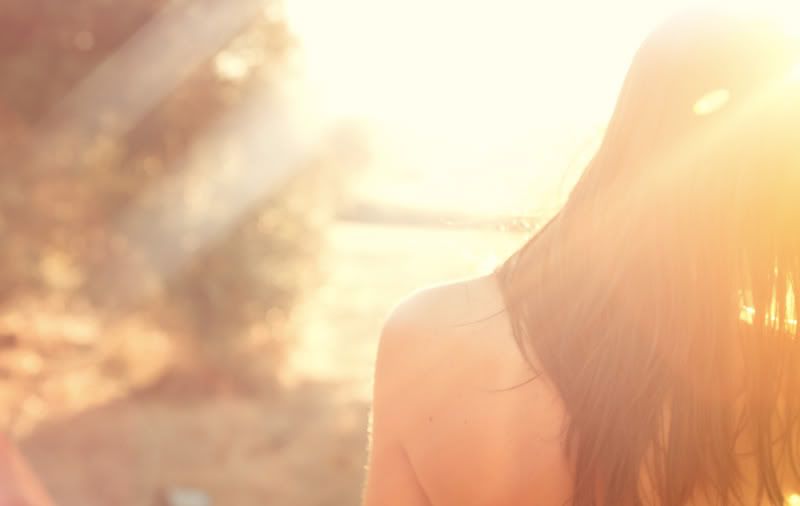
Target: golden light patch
x=746, y=314
x=791, y=22
x=793, y=500
x=794, y=75
x=230, y=66
x=712, y=102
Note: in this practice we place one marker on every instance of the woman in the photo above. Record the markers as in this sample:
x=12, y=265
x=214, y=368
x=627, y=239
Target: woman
x=642, y=347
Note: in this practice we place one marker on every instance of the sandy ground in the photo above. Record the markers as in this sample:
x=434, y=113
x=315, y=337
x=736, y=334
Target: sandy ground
x=300, y=445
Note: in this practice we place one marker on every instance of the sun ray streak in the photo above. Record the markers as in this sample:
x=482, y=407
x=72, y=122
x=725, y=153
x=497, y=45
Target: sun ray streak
x=170, y=224
x=130, y=82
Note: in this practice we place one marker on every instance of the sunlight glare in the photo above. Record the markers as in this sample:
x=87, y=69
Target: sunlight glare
x=795, y=74
x=712, y=102
x=212, y=186
x=793, y=500
x=791, y=20
x=471, y=88
x=231, y=66
x=746, y=314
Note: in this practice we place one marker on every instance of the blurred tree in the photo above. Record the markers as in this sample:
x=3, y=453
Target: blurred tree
x=102, y=103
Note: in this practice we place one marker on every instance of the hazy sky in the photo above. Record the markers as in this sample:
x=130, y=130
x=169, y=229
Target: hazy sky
x=474, y=91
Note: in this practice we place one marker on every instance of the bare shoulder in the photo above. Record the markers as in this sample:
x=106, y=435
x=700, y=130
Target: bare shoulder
x=417, y=339
x=446, y=375
x=449, y=323
x=445, y=344
x=446, y=306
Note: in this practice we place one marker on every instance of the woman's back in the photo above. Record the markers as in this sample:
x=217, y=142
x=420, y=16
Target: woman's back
x=478, y=428
x=451, y=378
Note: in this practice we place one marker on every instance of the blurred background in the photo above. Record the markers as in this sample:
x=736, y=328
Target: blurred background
x=207, y=209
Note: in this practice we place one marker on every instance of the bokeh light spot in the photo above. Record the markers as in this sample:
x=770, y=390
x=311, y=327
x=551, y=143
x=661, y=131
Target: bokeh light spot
x=231, y=66
x=712, y=102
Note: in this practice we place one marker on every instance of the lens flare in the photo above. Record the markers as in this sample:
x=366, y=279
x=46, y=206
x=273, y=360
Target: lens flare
x=712, y=102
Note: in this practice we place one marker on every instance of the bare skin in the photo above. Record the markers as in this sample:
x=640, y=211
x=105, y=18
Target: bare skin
x=447, y=427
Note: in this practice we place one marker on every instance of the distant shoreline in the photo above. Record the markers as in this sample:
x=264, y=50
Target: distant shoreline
x=370, y=213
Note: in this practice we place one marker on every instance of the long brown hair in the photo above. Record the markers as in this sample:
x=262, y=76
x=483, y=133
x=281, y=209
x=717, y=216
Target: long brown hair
x=661, y=301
